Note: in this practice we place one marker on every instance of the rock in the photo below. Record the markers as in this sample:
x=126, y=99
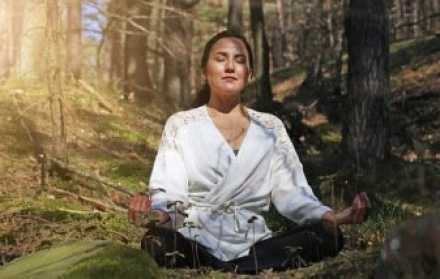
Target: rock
x=84, y=259
x=412, y=250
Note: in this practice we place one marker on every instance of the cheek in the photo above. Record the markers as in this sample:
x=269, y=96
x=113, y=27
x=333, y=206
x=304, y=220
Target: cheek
x=244, y=73
x=214, y=68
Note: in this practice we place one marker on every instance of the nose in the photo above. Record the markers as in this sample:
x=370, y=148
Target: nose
x=230, y=67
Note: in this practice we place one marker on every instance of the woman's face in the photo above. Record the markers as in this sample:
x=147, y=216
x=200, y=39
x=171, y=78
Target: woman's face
x=227, y=70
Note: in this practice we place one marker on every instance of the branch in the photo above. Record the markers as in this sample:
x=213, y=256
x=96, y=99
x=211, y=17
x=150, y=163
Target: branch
x=106, y=105
x=95, y=203
x=84, y=174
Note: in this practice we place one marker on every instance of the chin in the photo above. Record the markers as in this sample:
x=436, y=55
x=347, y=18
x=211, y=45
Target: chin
x=234, y=91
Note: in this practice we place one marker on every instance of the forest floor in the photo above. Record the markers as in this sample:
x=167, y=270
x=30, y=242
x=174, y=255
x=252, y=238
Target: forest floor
x=110, y=146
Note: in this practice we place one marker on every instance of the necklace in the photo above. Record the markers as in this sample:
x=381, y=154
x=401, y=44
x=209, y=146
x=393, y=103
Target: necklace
x=231, y=133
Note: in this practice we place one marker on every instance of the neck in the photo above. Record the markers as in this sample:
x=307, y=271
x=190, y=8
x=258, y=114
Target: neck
x=224, y=105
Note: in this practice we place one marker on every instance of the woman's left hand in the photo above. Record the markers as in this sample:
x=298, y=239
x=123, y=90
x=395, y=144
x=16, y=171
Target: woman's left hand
x=357, y=212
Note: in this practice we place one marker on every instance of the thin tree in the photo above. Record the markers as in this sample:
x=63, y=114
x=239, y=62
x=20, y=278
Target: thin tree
x=261, y=48
x=279, y=38
x=73, y=40
x=365, y=131
x=136, y=74
x=54, y=78
x=115, y=28
x=436, y=9
x=178, y=33
x=235, y=15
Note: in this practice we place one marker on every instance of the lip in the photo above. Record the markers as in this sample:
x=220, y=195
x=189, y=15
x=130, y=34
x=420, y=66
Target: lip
x=229, y=77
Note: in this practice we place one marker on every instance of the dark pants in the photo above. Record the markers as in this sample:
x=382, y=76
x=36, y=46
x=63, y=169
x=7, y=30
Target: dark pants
x=295, y=248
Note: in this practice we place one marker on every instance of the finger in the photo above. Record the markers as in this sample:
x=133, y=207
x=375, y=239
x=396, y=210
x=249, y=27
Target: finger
x=134, y=202
x=131, y=215
x=366, y=199
x=363, y=213
x=138, y=203
x=145, y=204
x=356, y=201
x=360, y=216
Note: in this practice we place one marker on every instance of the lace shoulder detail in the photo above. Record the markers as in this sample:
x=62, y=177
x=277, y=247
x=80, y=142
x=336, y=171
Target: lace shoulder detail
x=176, y=122
x=267, y=120
x=283, y=144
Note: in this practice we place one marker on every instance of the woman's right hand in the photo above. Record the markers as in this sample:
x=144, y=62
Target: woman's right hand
x=139, y=207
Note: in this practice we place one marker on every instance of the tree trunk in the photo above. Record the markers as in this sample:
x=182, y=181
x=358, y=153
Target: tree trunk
x=5, y=38
x=436, y=21
x=415, y=18
x=423, y=17
x=235, y=15
x=395, y=20
x=73, y=49
x=16, y=33
x=137, y=79
x=54, y=78
x=261, y=51
x=178, y=33
x=365, y=131
x=116, y=38
x=407, y=7
x=279, y=41
x=30, y=39
x=158, y=64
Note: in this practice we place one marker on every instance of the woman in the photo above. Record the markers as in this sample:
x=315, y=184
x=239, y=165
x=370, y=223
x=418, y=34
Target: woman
x=220, y=165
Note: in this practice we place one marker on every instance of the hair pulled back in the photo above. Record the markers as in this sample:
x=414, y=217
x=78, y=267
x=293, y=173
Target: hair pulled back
x=202, y=96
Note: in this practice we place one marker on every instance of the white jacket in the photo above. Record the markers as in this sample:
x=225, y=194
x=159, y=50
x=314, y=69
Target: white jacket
x=221, y=191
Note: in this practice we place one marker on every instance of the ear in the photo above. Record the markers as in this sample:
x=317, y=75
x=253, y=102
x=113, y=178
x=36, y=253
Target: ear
x=251, y=75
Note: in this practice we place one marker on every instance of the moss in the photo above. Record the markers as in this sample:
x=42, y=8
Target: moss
x=81, y=259
x=116, y=222
x=130, y=174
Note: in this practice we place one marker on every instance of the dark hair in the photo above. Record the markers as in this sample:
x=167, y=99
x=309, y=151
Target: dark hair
x=202, y=96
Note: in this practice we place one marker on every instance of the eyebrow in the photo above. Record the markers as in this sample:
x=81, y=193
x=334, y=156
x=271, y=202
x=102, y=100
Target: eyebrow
x=226, y=54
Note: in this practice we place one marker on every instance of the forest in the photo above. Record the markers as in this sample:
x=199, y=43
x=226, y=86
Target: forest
x=87, y=85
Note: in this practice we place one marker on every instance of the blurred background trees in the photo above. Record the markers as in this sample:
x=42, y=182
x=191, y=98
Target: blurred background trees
x=149, y=51
x=151, y=48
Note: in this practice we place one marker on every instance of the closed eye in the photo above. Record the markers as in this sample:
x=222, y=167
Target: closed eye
x=240, y=59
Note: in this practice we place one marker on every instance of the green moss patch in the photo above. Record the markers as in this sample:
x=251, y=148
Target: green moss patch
x=81, y=259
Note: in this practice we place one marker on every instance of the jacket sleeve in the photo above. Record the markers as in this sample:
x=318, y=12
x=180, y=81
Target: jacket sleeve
x=291, y=194
x=168, y=180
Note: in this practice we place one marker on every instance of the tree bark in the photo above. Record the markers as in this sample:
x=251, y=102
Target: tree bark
x=396, y=20
x=137, y=79
x=261, y=54
x=5, y=38
x=54, y=78
x=436, y=21
x=235, y=15
x=365, y=129
x=158, y=59
x=178, y=34
x=414, y=19
x=17, y=9
x=116, y=38
x=30, y=43
x=73, y=48
x=279, y=41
